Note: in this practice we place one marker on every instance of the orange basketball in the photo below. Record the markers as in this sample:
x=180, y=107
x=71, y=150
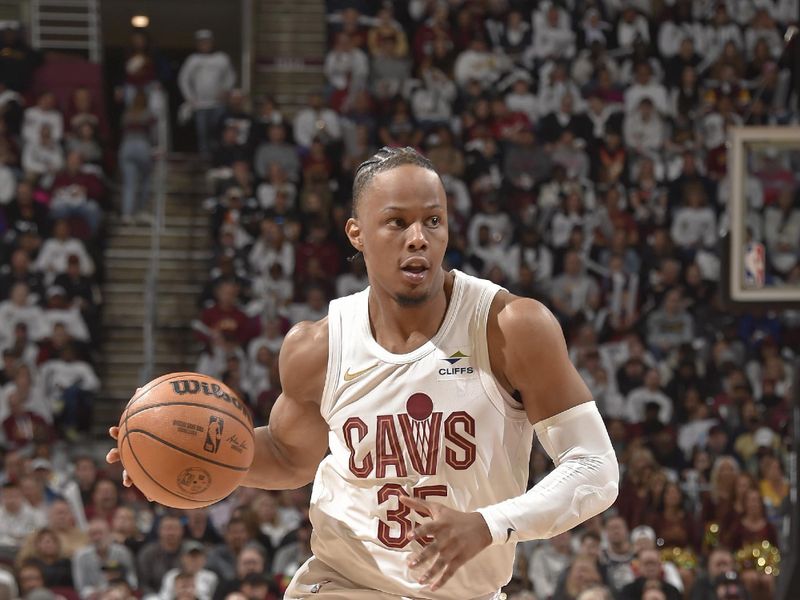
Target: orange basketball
x=186, y=440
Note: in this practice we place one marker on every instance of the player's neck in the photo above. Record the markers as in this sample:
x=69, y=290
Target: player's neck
x=402, y=328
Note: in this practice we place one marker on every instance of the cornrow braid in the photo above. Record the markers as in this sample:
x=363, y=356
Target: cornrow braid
x=385, y=159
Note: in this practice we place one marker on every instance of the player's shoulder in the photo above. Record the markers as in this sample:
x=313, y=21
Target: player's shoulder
x=514, y=317
x=308, y=339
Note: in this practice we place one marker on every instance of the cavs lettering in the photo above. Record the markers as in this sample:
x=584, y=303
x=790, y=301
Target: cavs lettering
x=421, y=429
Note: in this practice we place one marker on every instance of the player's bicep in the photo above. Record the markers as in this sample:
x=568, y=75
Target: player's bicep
x=536, y=361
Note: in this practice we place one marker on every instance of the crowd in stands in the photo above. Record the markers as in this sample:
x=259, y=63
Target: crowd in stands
x=582, y=149
x=53, y=192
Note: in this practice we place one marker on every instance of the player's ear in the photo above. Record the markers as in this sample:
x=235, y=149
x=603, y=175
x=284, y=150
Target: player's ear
x=353, y=231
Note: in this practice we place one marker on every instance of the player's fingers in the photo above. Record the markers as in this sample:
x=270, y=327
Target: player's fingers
x=113, y=432
x=112, y=456
x=421, y=506
x=126, y=480
x=423, y=530
x=439, y=565
x=444, y=577
x=427, y=553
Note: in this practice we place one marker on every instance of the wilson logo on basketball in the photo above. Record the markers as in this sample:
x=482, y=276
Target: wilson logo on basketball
x=214, y=434
x=192, y=386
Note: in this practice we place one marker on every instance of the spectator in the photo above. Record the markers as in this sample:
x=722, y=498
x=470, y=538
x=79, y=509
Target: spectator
x=77, y=193
x=42, y=157
x=57, y=250
x=547, y=563
x=102, y=552
x=192, y=562
x=229, y=560
x=70, y=383
x=649, y=565
x=292, y=556
x=124, y=529
x=277, y=151
x=573, y=291
x=17, y=519
x=669, y=326
x=346, y=69
x=224, y=319
x=43, y=114
x=136, y=158
x=157, y=558
x=61, y=521
x=104, y=501
x=720, y=561
x=205, y=78
x=639, y=399
x=47, y=555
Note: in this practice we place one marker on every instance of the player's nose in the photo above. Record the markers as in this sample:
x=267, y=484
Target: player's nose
x=416, y=239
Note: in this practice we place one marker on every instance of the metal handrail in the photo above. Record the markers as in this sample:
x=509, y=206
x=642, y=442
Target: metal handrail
x=160, y=103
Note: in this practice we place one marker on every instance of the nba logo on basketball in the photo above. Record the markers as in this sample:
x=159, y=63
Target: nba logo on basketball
x=213, y=434
x=754, y=265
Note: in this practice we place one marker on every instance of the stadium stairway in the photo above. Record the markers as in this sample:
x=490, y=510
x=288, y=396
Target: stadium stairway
x=183, y=270
x=289, y=47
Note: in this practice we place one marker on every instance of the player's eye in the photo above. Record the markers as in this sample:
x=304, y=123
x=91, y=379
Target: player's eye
x=397, y=222
x=434, y=221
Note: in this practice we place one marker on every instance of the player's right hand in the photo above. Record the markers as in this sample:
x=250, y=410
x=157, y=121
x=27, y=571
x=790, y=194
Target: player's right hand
x=113, y=456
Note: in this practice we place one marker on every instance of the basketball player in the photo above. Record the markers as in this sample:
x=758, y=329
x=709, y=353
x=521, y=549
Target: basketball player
x=426, y=388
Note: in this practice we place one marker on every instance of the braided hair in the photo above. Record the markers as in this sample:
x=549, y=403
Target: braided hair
x=385, y=159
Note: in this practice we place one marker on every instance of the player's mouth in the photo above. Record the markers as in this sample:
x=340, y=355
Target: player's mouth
x=415, y=269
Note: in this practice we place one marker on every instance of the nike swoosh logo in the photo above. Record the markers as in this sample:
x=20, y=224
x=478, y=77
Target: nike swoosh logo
x=509, y=532
x=348, y=376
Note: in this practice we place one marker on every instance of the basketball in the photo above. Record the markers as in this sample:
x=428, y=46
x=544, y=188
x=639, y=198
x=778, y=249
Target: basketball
x=186, y=440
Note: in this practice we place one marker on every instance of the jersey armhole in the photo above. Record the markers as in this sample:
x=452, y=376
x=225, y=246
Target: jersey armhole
x=334, y=359
x=502, y=400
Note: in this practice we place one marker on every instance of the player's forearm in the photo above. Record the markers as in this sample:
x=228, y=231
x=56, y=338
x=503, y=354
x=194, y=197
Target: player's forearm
x=584, y=483
x=272, y=467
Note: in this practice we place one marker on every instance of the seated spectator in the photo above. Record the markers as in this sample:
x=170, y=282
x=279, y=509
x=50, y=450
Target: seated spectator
x=719, y=562
x=432, y=99
x=645, y=85
x=17, y=519
x=292, y=556
x=695, y=224
x=224, y=319
x=71, y=385
x=390, y=66
x=644, y=129
x=26, y=219
x=58, y=250
x=192, y=564
x=59, y=311
x=236, y=557
x=250, y=563
x=84, y=113
x=650, y=574
x=573, y=291
x=31, y=582
x=275, y=150
x=199, y=527
x=104, y=501
x=548, y=562
x=43, y=157
x=19, y=308
x=782, y=231
x=553, y=37
x=526, y=163
x=670, y=325
x=235, y=116
x=618, y=554
x=88, y=563
x=316, y=121
x=157, y=558
x=136, y=158
x=84, y=140
x=346, y=69
x=313, y=308
x=124, y=529
x=650, y=393
x=581, y=575
x=43, y=114
x=47, y=555
x=61, y=520
x=76, y=193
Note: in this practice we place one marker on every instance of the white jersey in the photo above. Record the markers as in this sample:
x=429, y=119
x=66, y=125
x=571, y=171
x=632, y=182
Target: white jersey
x=432, y=423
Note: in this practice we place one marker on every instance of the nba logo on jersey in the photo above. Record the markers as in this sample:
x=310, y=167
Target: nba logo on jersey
x=754, y=265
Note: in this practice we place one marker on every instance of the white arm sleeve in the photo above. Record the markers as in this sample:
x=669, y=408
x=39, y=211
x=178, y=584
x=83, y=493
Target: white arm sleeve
x=584, y=483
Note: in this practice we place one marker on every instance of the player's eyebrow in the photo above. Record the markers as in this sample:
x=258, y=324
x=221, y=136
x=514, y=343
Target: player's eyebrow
x=431, y=206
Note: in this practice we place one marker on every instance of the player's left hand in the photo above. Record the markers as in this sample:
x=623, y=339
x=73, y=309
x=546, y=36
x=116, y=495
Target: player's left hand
x=457, y=537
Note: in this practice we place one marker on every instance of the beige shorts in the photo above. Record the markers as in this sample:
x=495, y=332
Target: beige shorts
x=317, y=581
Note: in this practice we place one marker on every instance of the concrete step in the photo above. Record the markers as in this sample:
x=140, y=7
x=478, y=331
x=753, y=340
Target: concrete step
x=175, y=255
